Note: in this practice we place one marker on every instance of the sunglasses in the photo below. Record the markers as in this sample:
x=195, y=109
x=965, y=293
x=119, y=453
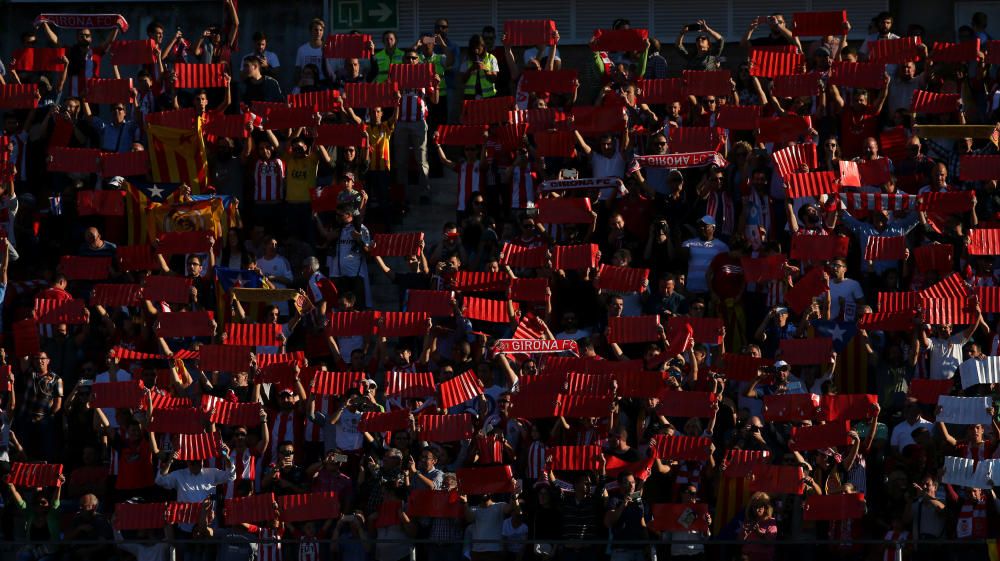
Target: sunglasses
x=286, y=453
x=412, y=58
x=659, y=144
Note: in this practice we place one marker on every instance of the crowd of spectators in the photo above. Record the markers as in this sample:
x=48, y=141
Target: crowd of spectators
x=766, y=341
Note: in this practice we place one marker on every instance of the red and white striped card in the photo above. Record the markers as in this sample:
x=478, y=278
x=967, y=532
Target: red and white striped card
x=197, y=76
x=459, y=389
x=173, y=290
x=116, y=295
x=881, y=248
x=255, y=508
x=573, y=458
x=816, y=437
x=336, y=383
x=225, y=358
x=409, y=384
x=682, y=448
x=445, y=428
x=253, y=334
x=635, y=329
x=403, y=324
x=477, y=281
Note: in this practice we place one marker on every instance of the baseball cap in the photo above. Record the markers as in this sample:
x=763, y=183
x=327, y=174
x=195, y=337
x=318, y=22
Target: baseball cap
x=370, y=383
x=707, y=220
x=780, y=364
x=822, y=51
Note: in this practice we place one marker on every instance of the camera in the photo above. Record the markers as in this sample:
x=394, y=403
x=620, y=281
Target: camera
x=694, y=27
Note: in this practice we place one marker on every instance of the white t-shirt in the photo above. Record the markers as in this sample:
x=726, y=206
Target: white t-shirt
x=514, y=537
x=902, y=433
x=848, y=289
x=347, y=435
x=277, y=266
x=603, y=166
x=946, y=356
x=702, y=253
x=308, y=54
x=488, y=525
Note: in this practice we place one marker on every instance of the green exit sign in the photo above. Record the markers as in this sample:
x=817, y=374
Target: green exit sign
x=365, y=14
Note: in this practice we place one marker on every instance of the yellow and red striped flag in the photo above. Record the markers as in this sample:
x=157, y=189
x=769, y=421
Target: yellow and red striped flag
x=178, y=156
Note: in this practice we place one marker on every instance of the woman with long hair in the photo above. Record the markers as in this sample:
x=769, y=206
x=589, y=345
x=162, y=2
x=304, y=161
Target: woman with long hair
x=759, y=529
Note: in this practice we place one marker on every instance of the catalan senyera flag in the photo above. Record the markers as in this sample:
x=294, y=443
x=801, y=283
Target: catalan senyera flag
x=734, y=492
x=178, y=155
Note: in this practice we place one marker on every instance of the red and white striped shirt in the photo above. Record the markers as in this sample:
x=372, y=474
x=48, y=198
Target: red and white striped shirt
x=522, y=188
x=413, y=106
x=283, y=429
x=269, y=544
x=308, y=549
x=269, y=180
x=536, y=460
x=972, y=520
x=490, y=449
x=469, y=182
x=246, y=469
x=895, y=536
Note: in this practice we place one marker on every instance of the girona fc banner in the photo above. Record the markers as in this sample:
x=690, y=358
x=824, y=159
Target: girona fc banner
x=531, y=346
x=685, y=160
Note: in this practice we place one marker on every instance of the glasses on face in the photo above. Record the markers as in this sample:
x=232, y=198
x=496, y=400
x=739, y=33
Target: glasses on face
x=504, y=401
x=119, y=108
x=412, y=58
x=194, y=264
x=710, y=101
x=286, y=453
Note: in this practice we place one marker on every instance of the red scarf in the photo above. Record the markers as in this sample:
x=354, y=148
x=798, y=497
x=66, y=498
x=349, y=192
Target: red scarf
x=84, y=21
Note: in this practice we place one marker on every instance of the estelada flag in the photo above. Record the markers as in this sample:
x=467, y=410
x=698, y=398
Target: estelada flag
x=178, y=155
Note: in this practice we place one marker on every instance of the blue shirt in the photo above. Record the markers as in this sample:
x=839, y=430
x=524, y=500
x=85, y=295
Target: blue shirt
x=863, y=231
x=116, y=137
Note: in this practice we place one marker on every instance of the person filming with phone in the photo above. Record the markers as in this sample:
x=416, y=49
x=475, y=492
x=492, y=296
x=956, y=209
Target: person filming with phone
x=624, y=517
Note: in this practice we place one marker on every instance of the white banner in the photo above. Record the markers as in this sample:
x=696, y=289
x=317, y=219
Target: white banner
x=965, y=410
x=980, y=371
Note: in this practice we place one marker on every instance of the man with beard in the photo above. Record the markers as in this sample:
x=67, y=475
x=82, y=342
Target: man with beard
x=84, y=58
